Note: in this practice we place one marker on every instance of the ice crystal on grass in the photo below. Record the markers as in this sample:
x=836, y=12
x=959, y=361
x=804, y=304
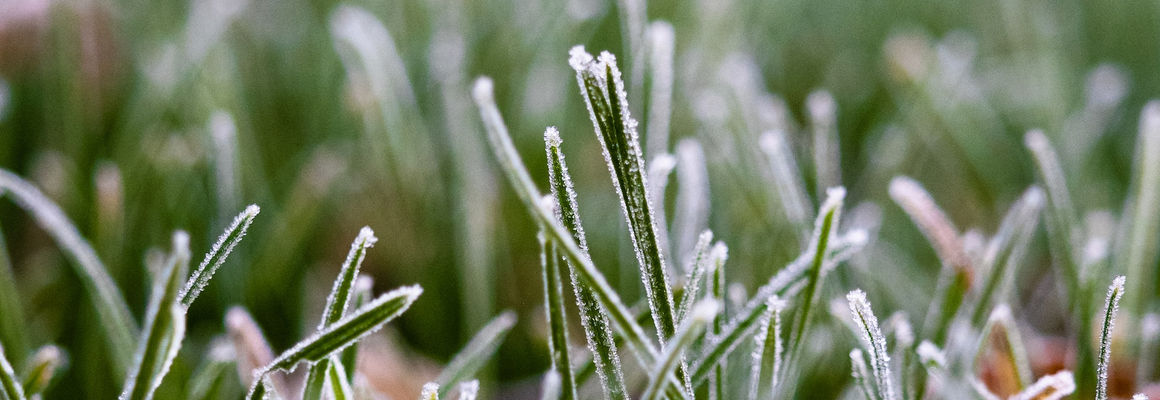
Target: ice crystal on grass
x=767, y=351
x=1050, y=387
x=217, y=254
x=874, y=341
x=1115, y=293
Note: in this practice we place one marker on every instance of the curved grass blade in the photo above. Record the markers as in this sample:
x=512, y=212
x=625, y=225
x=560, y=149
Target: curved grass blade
x=1051, y=387
x=604, y=93
x=767, y=352
x=217, y=255
x=337, y=303
x=874, y=341
x=699, y=264
x=1008, y=247
x=700, y=316
x=42, y=369
x=118, y=325
x=8, y=380
x=1139, y=253
x=861, y=374
x=476, y=353
x=208, y=380
x=557, y=324
x=250, y=348
x=336, y=380
x=1115, y=294
x=165, y=327
x=829, y=215
x=598, y=334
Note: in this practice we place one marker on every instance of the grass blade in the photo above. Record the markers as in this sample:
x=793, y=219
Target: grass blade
x=604, y=93
x=829, y=215
x=874, y=341
x=362, y=295
x=250, y=347
x=598, y=334
x=717, y=290
x=702, y=258
x=787, y=179
x=208, y=379
x=469, y=390
x=1051, y=387
x=118, y=325
x=8, y=380
x=823, y=112
x=337, y=303
x=476, y=353
x=336, y=380
x=1002, y=322
x=1139, y=254
x=700, y=316
x=692, y=207
x=767, y=352
x=42, y=368
x=217, y=255
x=660, y=100
x=1115, y=294
x=165, y=327
x=861, y=374
x=557, y=323
x=12, y=325
x=1008, y=246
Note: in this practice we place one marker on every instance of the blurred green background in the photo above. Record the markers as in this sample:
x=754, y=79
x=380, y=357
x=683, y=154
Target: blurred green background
x=142, y=117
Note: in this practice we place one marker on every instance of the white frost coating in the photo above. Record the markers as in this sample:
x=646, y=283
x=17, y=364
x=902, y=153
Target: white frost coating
x=552, y=137
x=787, y=179
x=223, y=133
x=217, y=255
x=930, y=355
x=365, y=240
x=700, y=316
x=770, y=324
x=903, y=331
x=861, y=373
x=981, y=389
x=823, y=117
x=692, y=207
x=430, y=391
x=469, y=390
x=661, y=38
x=874, y=340
x=1050, y=387
x=1115, y=293
x=1139, y=396
x=9, y=376
x=930, y=219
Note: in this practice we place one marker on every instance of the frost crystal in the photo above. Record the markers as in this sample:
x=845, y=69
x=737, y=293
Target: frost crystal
x=430, y=391
x=873, y=339
x=1115, y=293
x=1050, y=387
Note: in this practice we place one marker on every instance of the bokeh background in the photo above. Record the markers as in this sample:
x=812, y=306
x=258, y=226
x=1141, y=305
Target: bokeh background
x=142, y=117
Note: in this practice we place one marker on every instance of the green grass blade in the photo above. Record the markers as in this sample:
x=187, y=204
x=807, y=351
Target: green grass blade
x=823, y=112
x=598, y=334
x=875, y=343
x=217, y=254
x=1140, y=251
x=165, y=327
x=209, y=379
x=118, y=325
x=8, y=380
x=787, y=180
x=1002, y=321
x=661, y=40
x=861, y=374
x=476, y=352
x=557, y=322
x=767, y=352
x=1115, y=294
x=42, y=369
x=351, y=328
x=362, y=295
x=337, y=303
x=717, y=290
x=829, y=214
x=699, y=317
x=700, y=262
x=605, y=95
x=336, y=380
x=1007, y=248
x=12, y=323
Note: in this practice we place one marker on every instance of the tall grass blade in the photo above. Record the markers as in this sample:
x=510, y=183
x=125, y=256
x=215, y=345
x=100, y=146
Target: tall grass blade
x=904, y=355
x=475, y=354
x=336, y=380
x=165, y=327
x=1007, y=247
x=1115, y=294
x=700, y=316
x=767, y=352
x=337, y=303
x=659, y=170
x=12, y=325
x=701, y=261
x=224, y=135
x=217, y=254
x=117, y=324
x=8, y=380
x=597, y=332
x=1143, y=240
x=823, y=111
x=829, y=215
x=861, y=374
x=1149, y=344
x=1051, y=387
x=661, y=40
x=692, y=207
x=363, y=294
x=604, y=93
x=787, y=180
x=557, y=322
x=208, y=380
x=874, y=341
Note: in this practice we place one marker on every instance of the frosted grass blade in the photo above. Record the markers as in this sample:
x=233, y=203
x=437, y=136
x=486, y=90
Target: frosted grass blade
x=702, y=260
x=874, y=342
x=767, y=351
x=336, y=380
x=362, y=295
x=699, y=317
x=217, y=255
x=208, y=379
x=659, y=170
x=823, y=111
x=829, y=215
x=605, y=96
x=8, y=380
x=861, y=374
x=475, y=354
x=557, y=322
x=717, y=291
x=692, y=207
x=1138, y=255
x=904, y=355
x=660, y=101
x=598, y=334
x=1002, y=321
x=1051, y=387
x=224, y=135
x=251, y=351
x=42, y=369
x=118, y=325
x=12, y=325
x=1115, y=294
x=1008, y=247
x=337, y=303
x=787, y=180
x=164, y=329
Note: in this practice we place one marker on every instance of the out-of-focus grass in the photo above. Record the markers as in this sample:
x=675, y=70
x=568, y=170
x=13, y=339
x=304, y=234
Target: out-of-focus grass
x=140, y=118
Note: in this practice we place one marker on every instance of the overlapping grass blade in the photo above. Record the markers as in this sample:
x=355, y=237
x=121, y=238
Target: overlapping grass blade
x=1002, y=322
x=8, y=380
x=1138, y=254
x=717, y=291
x=1008, y=246
x=787, y=179
x=604, y=93
x=362, y=295
x=861, y=374
x=829, y=215
x=1115, y=294
x=117, y=324
x=598, y=334
x=336, y=380
x=164, y=329
x=557, y=323
x=699, y=317
x=221, y=249
x=337, y=303
x=476, y=352
x=42, y=369
x=874, y=342
x=702, y=260
x=550, y=389
x=767, y=352
x=661, y=40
